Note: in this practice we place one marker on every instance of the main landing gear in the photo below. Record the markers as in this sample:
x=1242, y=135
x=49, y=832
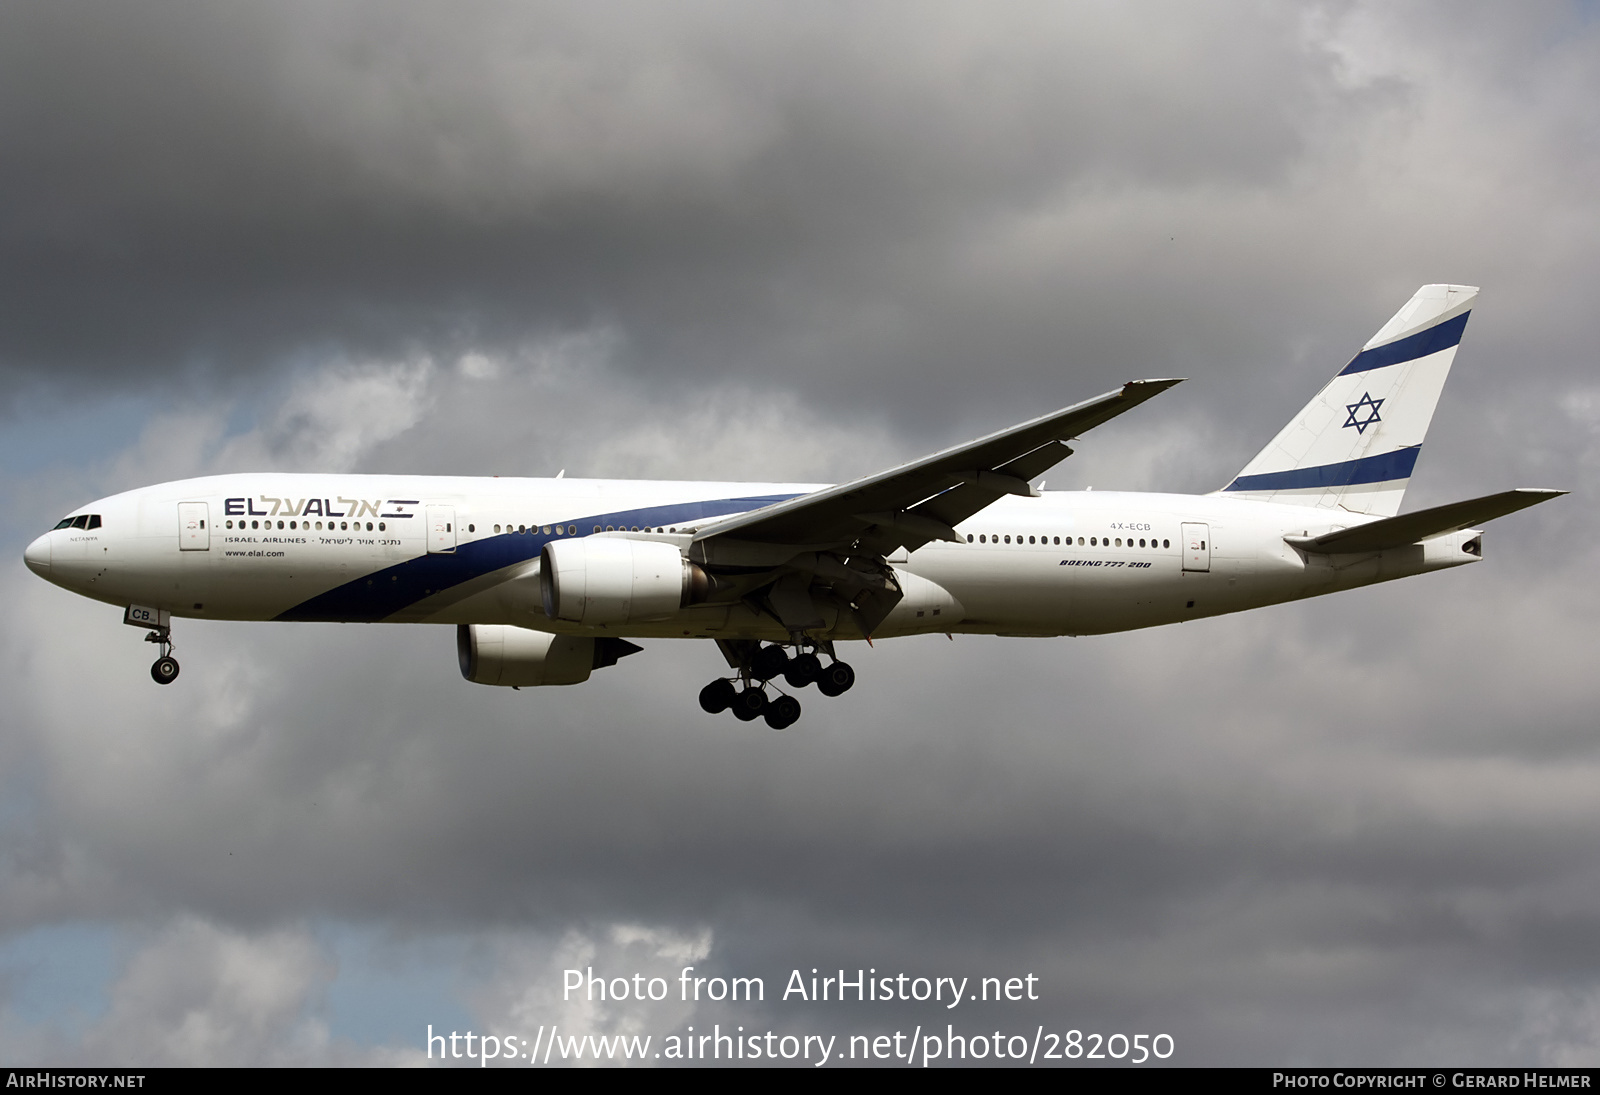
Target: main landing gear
x=165, y=668
x=746, y=695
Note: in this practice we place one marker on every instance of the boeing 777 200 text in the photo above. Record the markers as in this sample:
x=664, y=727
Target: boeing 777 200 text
x=547, y=580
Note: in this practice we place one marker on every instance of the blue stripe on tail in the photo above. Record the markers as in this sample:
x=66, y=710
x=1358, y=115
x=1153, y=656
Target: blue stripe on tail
x=1421, y=344
x=1369, y=469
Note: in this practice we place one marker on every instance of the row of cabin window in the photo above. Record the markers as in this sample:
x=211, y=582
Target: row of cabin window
x=572, y=530
x=83, y=520
x=983, y=538
x=558, y=530
x=1094, y=541
x=343, y=526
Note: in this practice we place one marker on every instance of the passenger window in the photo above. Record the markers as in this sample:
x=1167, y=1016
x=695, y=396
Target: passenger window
x=1119, y=541
x=572, y=530
x=547, y=530
x=1008, y=539
x=1166, y=543
x=1030, y=539
x=382, y=527
x=969, y=537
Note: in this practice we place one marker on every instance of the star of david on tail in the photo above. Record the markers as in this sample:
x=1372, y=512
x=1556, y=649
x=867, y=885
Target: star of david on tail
x=1372, y=406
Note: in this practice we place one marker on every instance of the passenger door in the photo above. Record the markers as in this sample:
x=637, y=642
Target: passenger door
x=194, y=532
x=441, y=529
x=1196, y=547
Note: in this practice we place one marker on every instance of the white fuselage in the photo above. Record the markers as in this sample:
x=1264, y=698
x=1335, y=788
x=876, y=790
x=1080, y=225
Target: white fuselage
x=426, y=549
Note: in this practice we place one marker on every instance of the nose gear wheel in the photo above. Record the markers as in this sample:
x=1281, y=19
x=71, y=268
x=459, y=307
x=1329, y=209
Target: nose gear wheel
x=165, y=668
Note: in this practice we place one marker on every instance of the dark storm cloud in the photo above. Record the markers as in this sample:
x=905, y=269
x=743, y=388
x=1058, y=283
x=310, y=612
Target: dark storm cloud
x=745, y=191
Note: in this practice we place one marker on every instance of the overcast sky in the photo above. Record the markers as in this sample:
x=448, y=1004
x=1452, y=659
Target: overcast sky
x=798, y=241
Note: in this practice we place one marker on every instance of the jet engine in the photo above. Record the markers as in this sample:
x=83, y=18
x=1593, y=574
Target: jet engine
x=518, y=657
x=601, y=580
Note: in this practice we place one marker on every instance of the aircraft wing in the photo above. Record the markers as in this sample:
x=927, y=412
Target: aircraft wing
x=921, y=501
x=1410, y=528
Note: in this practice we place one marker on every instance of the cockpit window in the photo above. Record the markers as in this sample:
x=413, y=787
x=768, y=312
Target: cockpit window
x=83, y=521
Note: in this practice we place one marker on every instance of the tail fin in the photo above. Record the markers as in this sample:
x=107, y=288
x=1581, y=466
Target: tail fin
x=1354, y=445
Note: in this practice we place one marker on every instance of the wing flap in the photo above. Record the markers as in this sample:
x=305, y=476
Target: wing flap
x=958, y=503
x=1410, y=528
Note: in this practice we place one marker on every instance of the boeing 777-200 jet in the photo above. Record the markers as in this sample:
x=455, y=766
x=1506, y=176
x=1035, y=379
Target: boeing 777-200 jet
x=547, y=580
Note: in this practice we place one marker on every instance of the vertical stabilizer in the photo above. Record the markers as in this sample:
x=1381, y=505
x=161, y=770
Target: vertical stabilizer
x=1354, y=445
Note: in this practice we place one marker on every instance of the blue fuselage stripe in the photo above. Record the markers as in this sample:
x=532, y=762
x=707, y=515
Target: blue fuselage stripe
x=1421, y=344
x=382, y=593
x=1369, y=469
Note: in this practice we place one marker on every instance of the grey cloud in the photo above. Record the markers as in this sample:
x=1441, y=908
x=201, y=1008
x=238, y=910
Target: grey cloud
x=733, y=241
x=746, y=191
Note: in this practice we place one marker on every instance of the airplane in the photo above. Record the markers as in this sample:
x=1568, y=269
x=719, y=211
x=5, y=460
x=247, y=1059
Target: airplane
x=548, y=580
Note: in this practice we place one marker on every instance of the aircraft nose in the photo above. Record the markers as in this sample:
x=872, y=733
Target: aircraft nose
x=37, y=556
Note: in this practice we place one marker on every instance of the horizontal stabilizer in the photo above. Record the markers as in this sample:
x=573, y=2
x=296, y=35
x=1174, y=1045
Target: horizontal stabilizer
x=1394, y=532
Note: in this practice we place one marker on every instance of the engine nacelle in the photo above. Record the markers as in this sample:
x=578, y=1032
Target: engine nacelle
x=608, y=580
x=521, y=658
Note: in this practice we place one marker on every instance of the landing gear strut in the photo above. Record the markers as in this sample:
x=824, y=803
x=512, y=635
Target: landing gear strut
x=165, y=668
x=746, y=694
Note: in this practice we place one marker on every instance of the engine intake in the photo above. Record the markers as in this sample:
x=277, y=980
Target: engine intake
x=609, y=580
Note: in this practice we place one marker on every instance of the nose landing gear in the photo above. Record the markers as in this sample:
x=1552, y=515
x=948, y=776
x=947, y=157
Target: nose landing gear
x=165, y=668
x=159, y=621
